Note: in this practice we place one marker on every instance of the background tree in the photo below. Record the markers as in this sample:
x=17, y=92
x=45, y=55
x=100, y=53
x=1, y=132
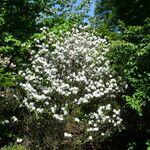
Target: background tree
x=130, y=12
x=130, y=55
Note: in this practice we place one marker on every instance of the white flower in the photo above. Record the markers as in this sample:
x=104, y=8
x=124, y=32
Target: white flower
x=117, y=112
x=39, y=110
x=95, y=129
x=100, y=112
x=6, y=121
x=108, y=106
x=95, y=124
x=102, y=134
x=90, y=138
x=14, y=118
x=19, y=140
x=58, y=117
x=76, y=120
x=68, y=135
x=52, y=109
x=46, y=103
x=90, y=122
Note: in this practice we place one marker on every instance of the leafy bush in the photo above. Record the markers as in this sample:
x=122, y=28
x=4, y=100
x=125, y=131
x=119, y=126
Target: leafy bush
x=130, y=58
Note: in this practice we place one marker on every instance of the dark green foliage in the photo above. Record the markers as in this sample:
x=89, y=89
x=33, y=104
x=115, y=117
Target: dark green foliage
x=18, y=23
x=131, y=12
x=130, y=57
x=9, y=108
x=43, y=132
x=19, y=17
x=127, y=26
x=104, y=13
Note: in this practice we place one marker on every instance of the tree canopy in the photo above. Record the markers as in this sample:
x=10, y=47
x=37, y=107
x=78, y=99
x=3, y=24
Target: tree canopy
x=131, y=12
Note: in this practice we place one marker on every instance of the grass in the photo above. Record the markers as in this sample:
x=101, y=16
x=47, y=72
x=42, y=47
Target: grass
x=13, y=147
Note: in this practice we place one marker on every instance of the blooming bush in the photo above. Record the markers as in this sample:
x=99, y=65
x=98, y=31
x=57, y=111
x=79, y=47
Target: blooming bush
x=70, y=78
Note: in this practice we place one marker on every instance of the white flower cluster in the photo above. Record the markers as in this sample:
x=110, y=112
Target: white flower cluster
x=68, y=73
x=67, y=135
x=5, y=61
x=19, y=140
x=13, y=119
x=105, y=115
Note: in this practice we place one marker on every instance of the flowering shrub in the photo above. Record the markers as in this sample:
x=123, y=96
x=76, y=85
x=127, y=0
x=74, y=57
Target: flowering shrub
x=70, y=78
